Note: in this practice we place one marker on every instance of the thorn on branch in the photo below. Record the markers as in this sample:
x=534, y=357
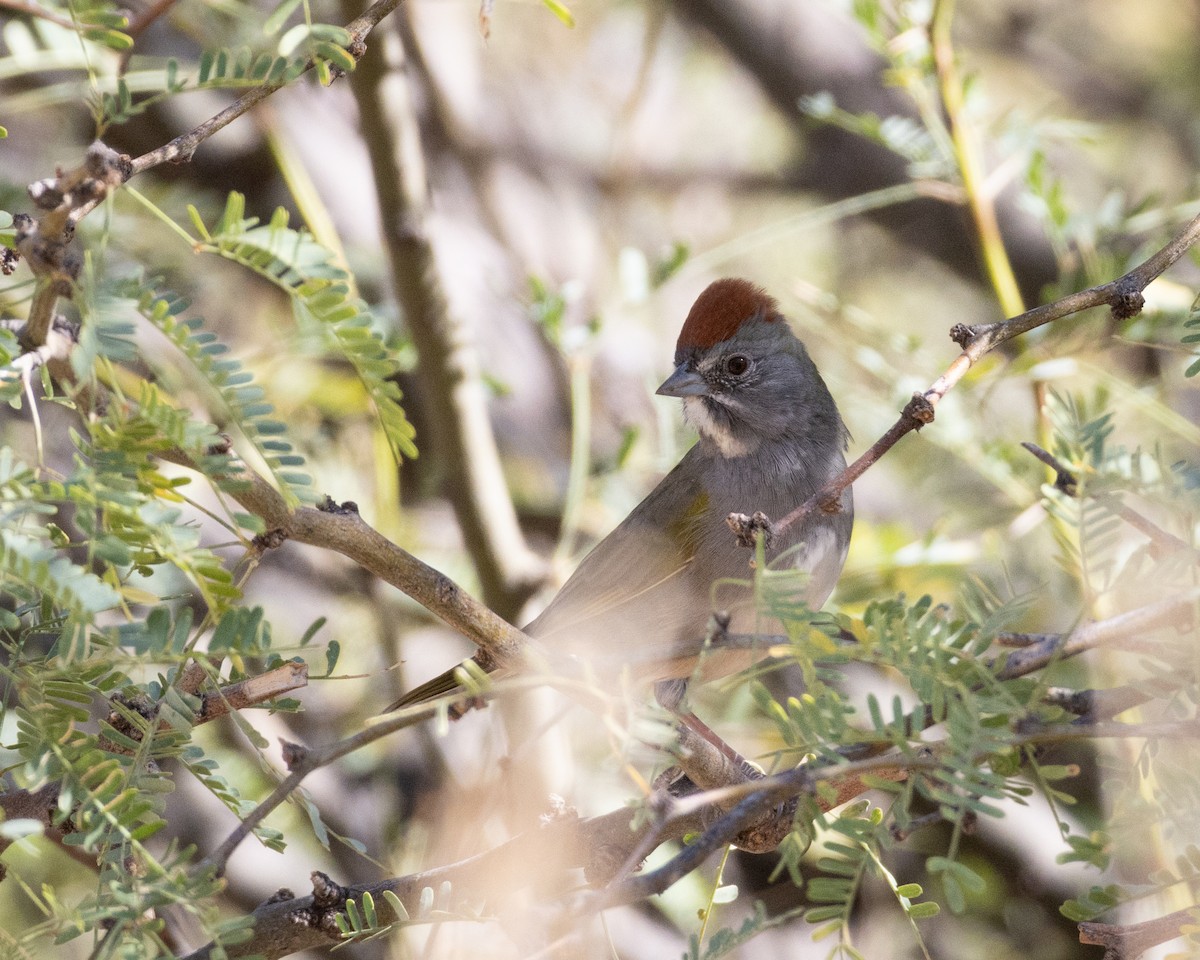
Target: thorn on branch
x=329, y=899
x=1064, y=479
x=748, y=530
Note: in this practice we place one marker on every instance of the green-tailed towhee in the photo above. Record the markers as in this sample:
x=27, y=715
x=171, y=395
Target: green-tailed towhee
x=770, y=436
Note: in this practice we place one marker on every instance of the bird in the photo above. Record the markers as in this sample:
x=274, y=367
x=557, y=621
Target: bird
x=769, y=436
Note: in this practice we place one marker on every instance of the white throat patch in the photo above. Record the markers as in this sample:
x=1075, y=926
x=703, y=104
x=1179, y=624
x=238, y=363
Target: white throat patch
x=696, y=413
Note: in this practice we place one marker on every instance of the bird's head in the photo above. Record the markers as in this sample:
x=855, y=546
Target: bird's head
x=744, y=377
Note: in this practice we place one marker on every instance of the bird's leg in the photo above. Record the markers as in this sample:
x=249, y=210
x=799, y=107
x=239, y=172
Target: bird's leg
x=711, y=763
x=702, y=729
x=671, y=694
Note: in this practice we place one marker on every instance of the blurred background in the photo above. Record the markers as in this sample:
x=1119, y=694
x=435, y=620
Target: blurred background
x=579, y=185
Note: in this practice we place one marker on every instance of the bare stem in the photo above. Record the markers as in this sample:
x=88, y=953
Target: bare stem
x=1123, y=295
x=182, y=147
x=33, y=10
x=970, y=164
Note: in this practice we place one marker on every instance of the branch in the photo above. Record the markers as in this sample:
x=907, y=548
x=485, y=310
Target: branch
x=461, y=432
x=39, y=13
x=1066, y=481
x=1132, y=940
x=42, y=804
x=606, y=847
x=180, y=149
x=342, y=530
x=285, y=924
x=252, y=691
x=1174, y=611
x=44, y=242
x=970, y=164
x=1123, y=296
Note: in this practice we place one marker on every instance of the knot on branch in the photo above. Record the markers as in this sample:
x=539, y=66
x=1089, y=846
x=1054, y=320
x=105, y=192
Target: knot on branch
x=328, y=900
x=832, y=504
x=748, y=530
x=326, y=893
x=129, y=718
x=920, y=409
x=329, y=505
x=1128, y=300
x=269, y=540
x=282, y=895
x=102, y=170
x=962, y=334
x=294, y=754
x=223, y=446
x=769, y=832
x=103, y=164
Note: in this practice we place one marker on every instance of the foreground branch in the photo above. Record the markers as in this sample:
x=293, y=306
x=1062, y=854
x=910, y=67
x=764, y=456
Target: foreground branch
x=1131, y=941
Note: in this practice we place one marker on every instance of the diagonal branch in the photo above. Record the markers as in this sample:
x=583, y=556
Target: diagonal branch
x=180, y=149
x=1123, y=296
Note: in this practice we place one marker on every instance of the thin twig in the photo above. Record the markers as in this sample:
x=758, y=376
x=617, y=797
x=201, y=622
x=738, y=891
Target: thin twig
x=1174, y=611
x=1123, y=295
x=1130, y=941
x=1066, y=481
x=40, y=13
x=182, y=147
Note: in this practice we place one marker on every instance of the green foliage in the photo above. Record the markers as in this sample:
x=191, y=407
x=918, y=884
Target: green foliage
x=926, y=155
x=728, y=939
x=112, y=592
x=321, y=293
x=1192, y=323
x=31, y=569
x=102, y=22
x=361, y=920
x=244, y=401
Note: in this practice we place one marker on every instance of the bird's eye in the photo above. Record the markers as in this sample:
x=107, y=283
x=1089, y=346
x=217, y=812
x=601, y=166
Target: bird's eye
x=737, y=365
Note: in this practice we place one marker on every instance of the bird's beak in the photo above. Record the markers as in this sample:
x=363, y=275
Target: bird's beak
x=684, y=382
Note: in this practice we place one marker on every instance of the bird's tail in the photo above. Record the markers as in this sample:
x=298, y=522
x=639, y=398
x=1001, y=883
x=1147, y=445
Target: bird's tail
x=439, y=686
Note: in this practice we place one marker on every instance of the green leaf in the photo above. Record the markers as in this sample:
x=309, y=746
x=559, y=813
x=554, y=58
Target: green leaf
x=337, y=56
x=819, y=914
x=560, y=10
